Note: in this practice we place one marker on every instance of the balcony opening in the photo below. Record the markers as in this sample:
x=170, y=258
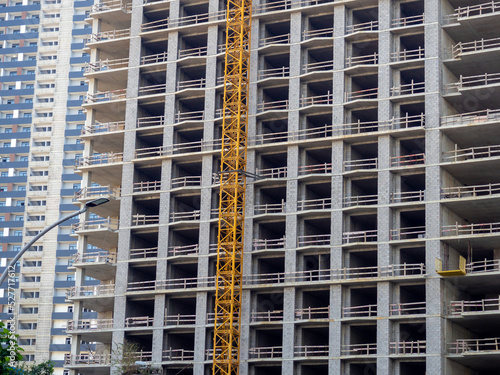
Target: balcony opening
x=190, y=109
x=265, y=338
x=317, y=125
x=186, y=174
x=266, y=370
x=270, y=265
x=411, y=152
x=152, y=83
x=411, y=225
x=268, y=231
x=193, y=46
x=316, y=231
x=314, y=337
x=174, y=370
x=362, y=53
x=269, y=302
x=362, y=87
x=363, y=303
x=316, y=196
x=411, y=46
x=143, y=245
x=313, y=304
x=411, y=115
x=307, y=369
x=412, y=368
x=412, y=255
x=178, y=346
x=274, y=66
x=365, y=261
x=316, y=161
x=313, y=264
x=182, y=205
x=274, y=98
x=360, y=192
x=412, y=294
x=360, y=336
x=364, y=20
x=411, y=9
x=145, y=141
x=412, y=189
x=141, y=343
x=276, y=32
x=272, y=165
x=318, y=26
x=183, y=270
x=154, y=52
x=411, y=81
x=361, y=156
x=317, y=93
x=147, y=179
x=137, y=311
x=184, y=242
x=365, y=368
x=270, y=197
x=318, y=59
x=414, y=331
x=269, y=131
x=150, y=114
x=180, y=311
x=192, y=77
x=188, y=141
x=156, y=14
x=362, y=121
x=190, y=11
x=141, y=272
x=361, y=228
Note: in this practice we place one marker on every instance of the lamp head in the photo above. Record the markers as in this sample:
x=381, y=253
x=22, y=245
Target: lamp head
x=96, y=202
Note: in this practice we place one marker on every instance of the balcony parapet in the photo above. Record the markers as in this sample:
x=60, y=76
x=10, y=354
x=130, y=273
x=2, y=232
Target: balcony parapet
x=359, y=200
x=268, y=244
x=189, y=116
x=310, y=313
x=459, y=308
x=360, y=164
x=312, y=133
x=141, y=220
x=358, y=349
x=106, y=96
x=408, y=55
x=408, y=196
x=353, y=61
x=180, y=148
x=474, y=346
x=318, y=33
x=366, y=94
x=362, y=236
x=408, y=347
x=314, y=240
x=320, y=66
x=145, y=186
x=154, y=59
x=107, y=127
x=96, y=224
x=153, y=89
x=195, y=19
x=271, y=352
x=278, y=105
x=311, y=351
x=104, y=6
x=108, y=35
x=470, y=191
x=482, y=266
x=326, y=99
x=97, y=257
x=269, y=208
x=193, y=52
x=182, y=355
x=473, y=11
x=89, y=192
x=314, y=204
x=366, y=26
x=407, y=308
x=408, y=89
x=89, y=359
x=191, y=84
x=470, y=229
x=186, y=181
x=266, y=316
x=365, y=311
x=315, y=169
x=408, y=160
x=279, y=172
x=275, y=39
x=150, y=252
x=91, y=291
x=184, y=283
x=282, y=72
x=89, y=325
x=480, y=45
x=468, y=82
x=139, y=321
x=183, y=250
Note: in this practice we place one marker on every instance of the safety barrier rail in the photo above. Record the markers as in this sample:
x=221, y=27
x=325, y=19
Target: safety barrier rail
x=150, y=252
x=268, y=243
x=407, y=233
x=183, y=250
x=469, y=118
x=326, y=99
x=143, y=122
x=408, y=196
x=319, y=66
x=154, y=59
x=189, y=116
x=353, y=165
x=407, y=308
x=309, y=313
x=139, y=220
x=139, y=321
x=358, y=349
x=183, y=216
x=91, y=291
x=311, y=133
x=192, y=84
x=473, y=81
x=97, y=257
x=486, y=265
x=279, y=172
x=469, y=229
x=96, y=224
x=143, y=186
x=361, y=60
x=314, y=240
x=105, y=96
x=408, y=89
x=282, y=72
x=315, y=169
x=408, y=160
x=479, y=306
x=193, y=52
x=182, y=283
x=106, y=127
x=359, y=200
x=471, y=153
x=473, y=11
x=87, y=359
x=106, y=64
x=265, y=352
x=108, y=35
x=277, y=105
x=408, y=347
x=359, y=236
x=314, y=204
x=359, y=311
x=111, y=5
x=275, y=39
x=266, y=316
x=269, y=208
x=408, y=21
x=186, y=181
x=183, y=21
x=153, y=89
x=475, y=46
x=470, y=191
x=182, y=355
x=371, y=93
x=366, y=26
x=471, y=346
x=361, y=127
x=406, y=55
x=311, y=350
x=89, y=325
x=318, y=33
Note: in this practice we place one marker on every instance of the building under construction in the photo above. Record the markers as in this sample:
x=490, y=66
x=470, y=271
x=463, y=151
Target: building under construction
x=372, y=198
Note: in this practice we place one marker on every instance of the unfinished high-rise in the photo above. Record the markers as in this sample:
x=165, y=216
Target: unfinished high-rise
x=372, y=220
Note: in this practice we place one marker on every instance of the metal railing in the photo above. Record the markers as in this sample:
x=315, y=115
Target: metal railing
x=469, y=118
x=358, y=349
x=191, y=84
x=475, y=46
x=366, y=94
x=470, y=229
x=359, y=311
x=311, y=350
x=471, y=153
x=315, y=169
x=87, y=359
x=144, y=186
x=193, y=52
x=183, y=250
x=396, y=123
x=318, y=33
x=408, y=308
x=314, y=204
x=486, y=265
x=111, y=5
x=471, y=307
x=106, y=96
x=106, y=64
x=314, y=240
x=265, y=352
x=408, y=21
x=408, y=196
x=266, y=316
x=326, y=99
x=408, y=160
x=189, y=116
x=97, y=224
x=471, y=346
x=143, y=122
x=278, y=105
x=268, y=244
x=406, y=55
x=473, y=11
x=275, y=39
x=473, y=81
x=360, y=236
x=139, y=321
x=154, y=59
x=360, y=164
x=139, y=220
x=172, y=355
x=178, y=182
x=359, y=200
x=183, y=216
x=153, y=89
x=361, y=60
x=366, y=26
x=89, y=325
x=194, y=19
x=407, y=233
x=282, y=72
x=182, y=283
x=150, y=252
x=320, y=66
x=309, y=313
x=97, y=191
x=278, y=172
x=408, y=89
x=408, y=347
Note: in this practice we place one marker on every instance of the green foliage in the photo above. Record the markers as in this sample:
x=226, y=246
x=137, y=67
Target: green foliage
x=9, y=349
x=44, y=368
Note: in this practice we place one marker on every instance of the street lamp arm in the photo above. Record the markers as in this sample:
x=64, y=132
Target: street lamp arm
x=36, y=238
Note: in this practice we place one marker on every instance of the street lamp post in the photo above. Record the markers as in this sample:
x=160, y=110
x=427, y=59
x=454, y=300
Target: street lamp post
x=93, y=203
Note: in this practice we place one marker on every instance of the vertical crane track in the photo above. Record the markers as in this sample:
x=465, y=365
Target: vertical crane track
x=232, y=190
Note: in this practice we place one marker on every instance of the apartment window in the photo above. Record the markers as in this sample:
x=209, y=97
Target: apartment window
x=70, y=278
x=9, y=115
x=15, y=45
x=8, y=130
x=25, y=144
x=16, y=248
x=30, y=72
x=23, y=173
x=70, y=308
x=20, y=218
x=27, y=115
x=4, y=174
x=6, y=145
x=68, y=340
x=72, y=247
x=28, y=100
x=24, y=158
x=18, y=17
x=18, y=233
x=2, y=218
x=76, y=186
x=12, y=73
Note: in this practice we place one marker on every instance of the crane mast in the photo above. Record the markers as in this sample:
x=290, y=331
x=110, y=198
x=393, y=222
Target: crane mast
x=232, y=190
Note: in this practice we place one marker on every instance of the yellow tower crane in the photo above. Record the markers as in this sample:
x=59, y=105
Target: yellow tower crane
x=232, y=190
